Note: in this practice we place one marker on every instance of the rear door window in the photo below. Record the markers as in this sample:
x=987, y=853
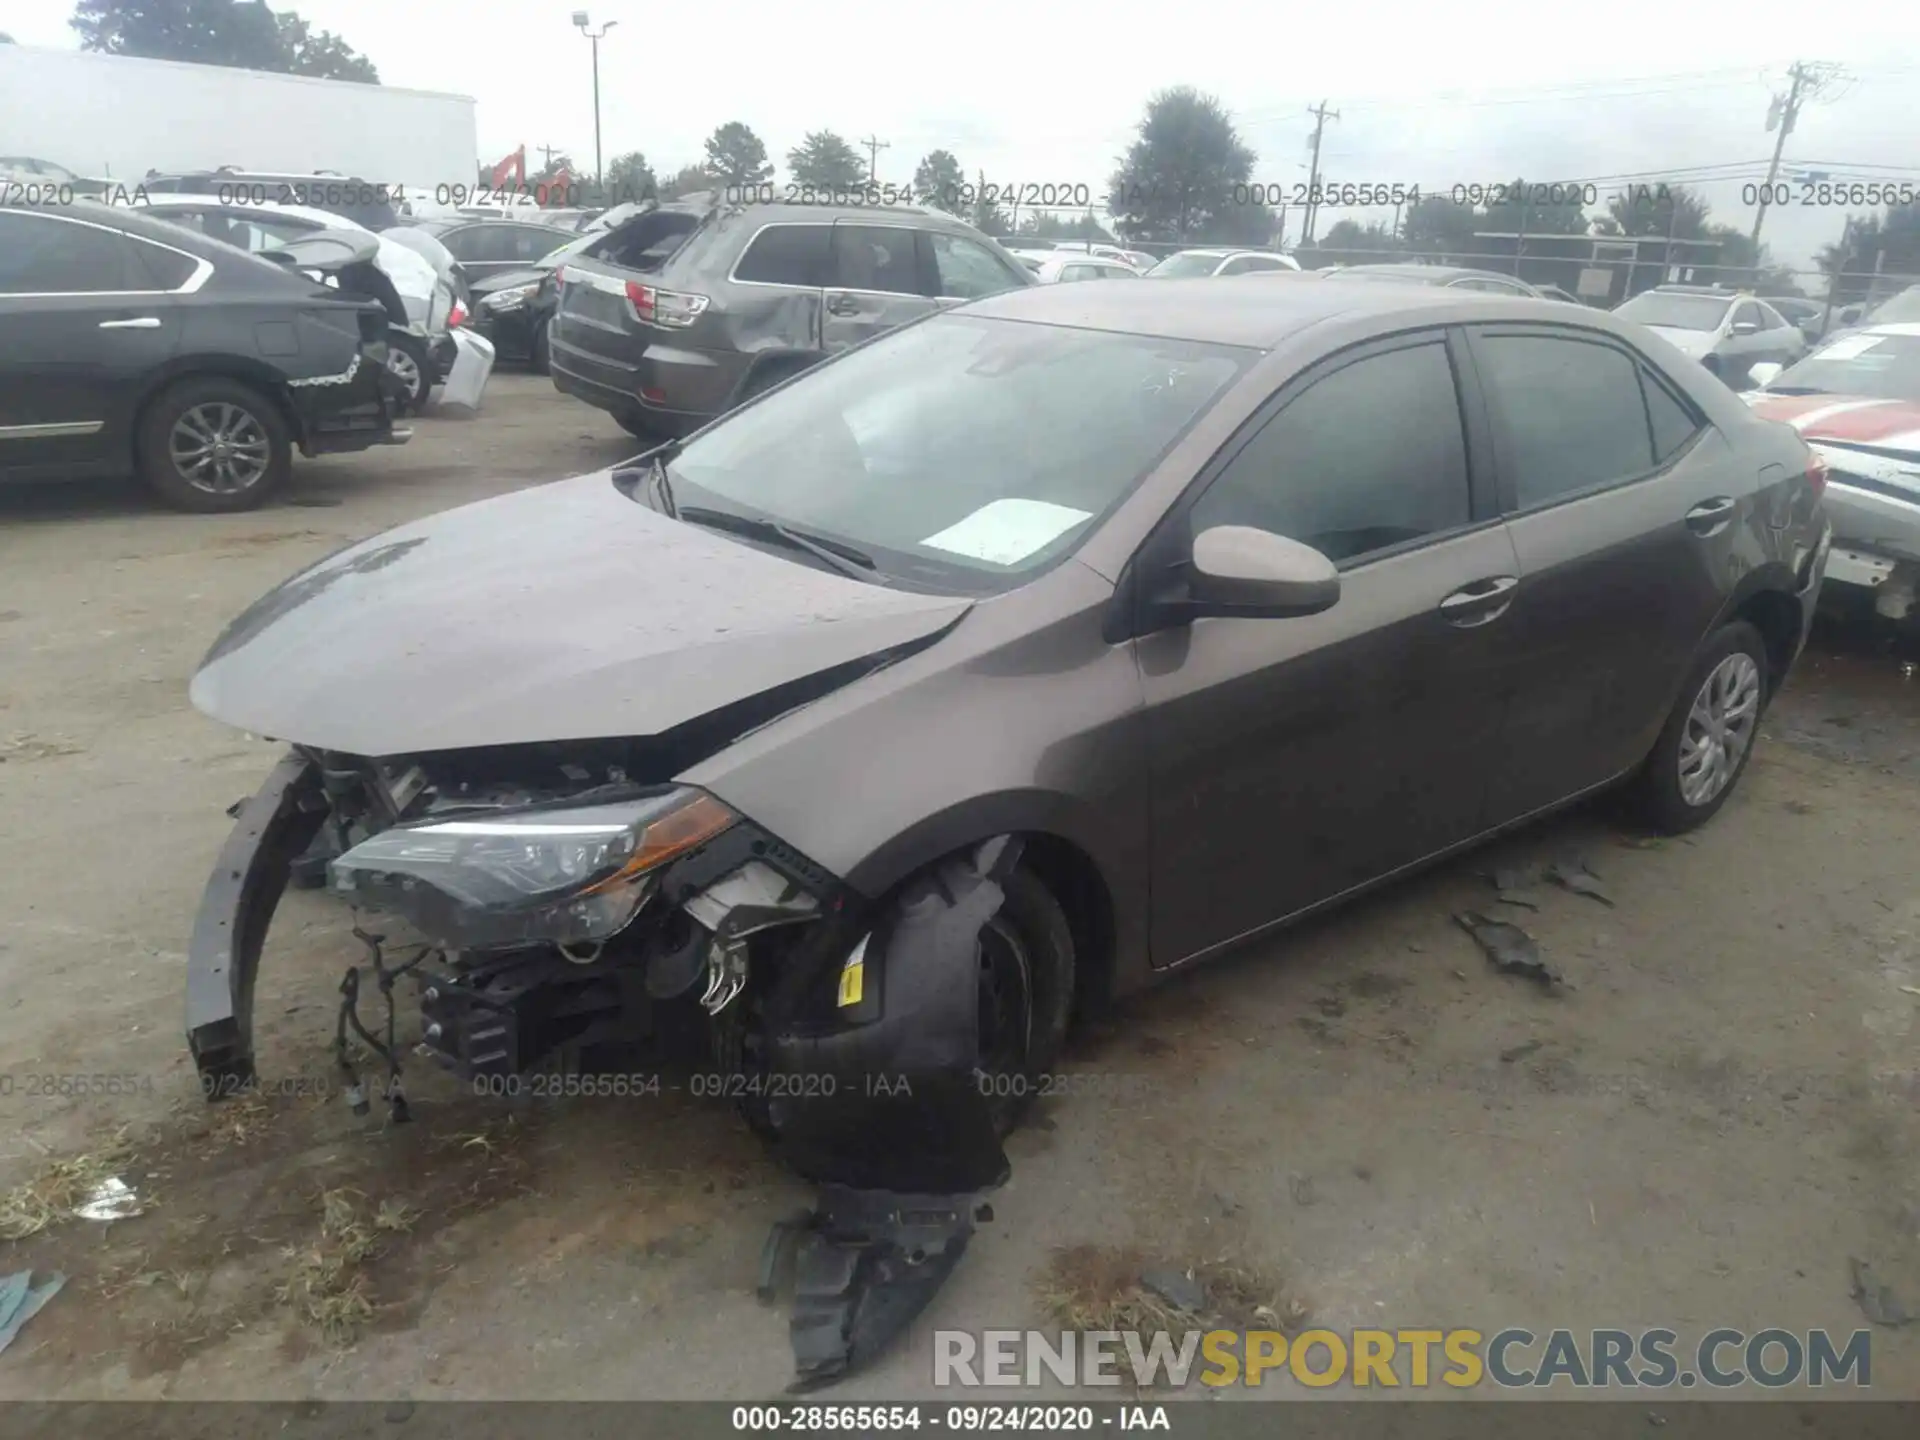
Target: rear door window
x=1570, y=411
x=787, y=255
x=40, y=255
x=876, y=258
x=967, y=270
x=1674, y=423
x=164, y=269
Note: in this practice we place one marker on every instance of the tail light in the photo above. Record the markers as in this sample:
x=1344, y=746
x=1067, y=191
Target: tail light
x=671, y=308
x=1817, y=473
x=457, y=316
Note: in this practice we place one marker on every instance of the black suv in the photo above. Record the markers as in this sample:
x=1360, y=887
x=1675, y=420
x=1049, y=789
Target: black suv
x=685, y=310
x=129, y=343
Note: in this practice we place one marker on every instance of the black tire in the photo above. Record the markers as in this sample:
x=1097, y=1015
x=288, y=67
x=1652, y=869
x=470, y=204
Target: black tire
x=539, y=355
x=1658, y=793
x=420, y=381
x=256, y=465
x=1032, y=917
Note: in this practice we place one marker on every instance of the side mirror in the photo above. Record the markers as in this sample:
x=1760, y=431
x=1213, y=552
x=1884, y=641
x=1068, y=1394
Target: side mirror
x=1744, y=327
x=1763, y=373
x=1238, y=570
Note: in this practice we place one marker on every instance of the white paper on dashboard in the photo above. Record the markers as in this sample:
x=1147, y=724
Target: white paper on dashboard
x=1849, y=346
x=1007, y=531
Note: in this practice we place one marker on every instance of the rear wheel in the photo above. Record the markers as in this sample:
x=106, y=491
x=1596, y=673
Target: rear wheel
x=539, y=354
x=1704, y=747
x=407, y=360
x=212, y=445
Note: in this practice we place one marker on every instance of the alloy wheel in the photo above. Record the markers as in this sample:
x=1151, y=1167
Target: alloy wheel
x=220, y=447
x=1719, y=729
x=405, y=368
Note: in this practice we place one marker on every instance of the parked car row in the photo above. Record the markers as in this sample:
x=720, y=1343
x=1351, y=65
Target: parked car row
x=132, y=343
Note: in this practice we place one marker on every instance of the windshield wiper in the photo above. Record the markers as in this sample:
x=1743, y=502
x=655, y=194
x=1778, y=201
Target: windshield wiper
x=838, y=555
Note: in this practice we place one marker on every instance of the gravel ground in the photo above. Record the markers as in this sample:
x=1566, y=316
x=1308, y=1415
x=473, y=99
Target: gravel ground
x=1701, y=1132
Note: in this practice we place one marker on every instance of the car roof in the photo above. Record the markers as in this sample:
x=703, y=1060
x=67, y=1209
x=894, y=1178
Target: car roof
x=133, y=222
x=1258, y=311
x=326, y=219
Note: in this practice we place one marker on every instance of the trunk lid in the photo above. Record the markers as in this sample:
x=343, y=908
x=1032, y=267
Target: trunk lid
x=596, y=312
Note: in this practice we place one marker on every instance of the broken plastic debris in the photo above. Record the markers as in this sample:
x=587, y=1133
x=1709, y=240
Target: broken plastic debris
x=1525, y=899
x=1877, y=1301
x=111, y=1199
x=1176, y=1287
x=1575, y=876
x=1511, y=949
x=21, y=1299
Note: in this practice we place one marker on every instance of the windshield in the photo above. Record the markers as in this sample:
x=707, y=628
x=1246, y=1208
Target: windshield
x=962, y=453
x=1186, y=266
x=1902, y=309
x=1676, y=312
x=1876, y=367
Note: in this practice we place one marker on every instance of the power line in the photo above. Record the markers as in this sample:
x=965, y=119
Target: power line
x=1808, y=83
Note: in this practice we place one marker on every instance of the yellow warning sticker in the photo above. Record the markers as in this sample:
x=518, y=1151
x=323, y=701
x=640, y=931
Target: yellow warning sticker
x=853, y=975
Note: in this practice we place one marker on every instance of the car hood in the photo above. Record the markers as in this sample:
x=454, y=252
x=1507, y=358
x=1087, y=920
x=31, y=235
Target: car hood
x=1845, y=420
x=561, y=612
x=1691, y=343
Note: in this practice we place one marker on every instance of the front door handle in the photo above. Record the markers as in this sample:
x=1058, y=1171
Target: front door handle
x=843, y=305
x=1480, y=602
x=144, y=322
x=1710, y=517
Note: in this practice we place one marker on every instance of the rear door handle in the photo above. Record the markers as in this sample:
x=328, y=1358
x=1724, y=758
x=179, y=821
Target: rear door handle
x=843, y=305
x=1480, y=602
x=1710, y=517
x=145, y=322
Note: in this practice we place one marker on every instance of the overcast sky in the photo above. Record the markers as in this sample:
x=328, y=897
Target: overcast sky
x=1464, y=92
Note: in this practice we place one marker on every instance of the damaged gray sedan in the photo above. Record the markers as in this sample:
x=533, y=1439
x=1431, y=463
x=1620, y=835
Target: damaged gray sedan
x=987, y=671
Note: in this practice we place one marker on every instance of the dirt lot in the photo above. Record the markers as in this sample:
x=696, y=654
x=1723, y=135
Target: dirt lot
x=1701, y=1132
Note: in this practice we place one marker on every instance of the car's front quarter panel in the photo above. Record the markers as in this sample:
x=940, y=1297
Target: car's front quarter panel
x=1023, y=718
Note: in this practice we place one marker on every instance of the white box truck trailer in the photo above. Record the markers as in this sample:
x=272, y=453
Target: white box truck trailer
x=111, y=116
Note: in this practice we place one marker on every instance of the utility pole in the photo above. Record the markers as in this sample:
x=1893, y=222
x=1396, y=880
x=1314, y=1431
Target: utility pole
x=1321, y=115
x=547, y=152
x=1806, y=83
x=874, y=147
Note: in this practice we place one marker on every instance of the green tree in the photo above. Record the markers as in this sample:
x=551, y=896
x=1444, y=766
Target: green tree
x=629, y=177
x=824, y=161
x=1440, y=226
x=1659, y=208
x=1177, y=180
x=1348, y=242
x=687, y=180
x=985, y=214
x=322, y=53
x=1537, y=209
x=938, y=181
x=243, y=33
x=737, y=156
x=1040, y=225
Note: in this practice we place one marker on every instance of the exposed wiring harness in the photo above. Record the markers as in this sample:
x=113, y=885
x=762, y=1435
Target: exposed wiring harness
x=349, y=1016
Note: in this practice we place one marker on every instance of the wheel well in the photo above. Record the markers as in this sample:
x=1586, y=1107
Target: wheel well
x=1066, y=870
x=1777, y=617
x=771, y=370
x=264, y=382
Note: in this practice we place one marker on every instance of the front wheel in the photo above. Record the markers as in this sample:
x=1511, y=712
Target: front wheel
x=540, y=355
x=1704, y=747
x=213, y=445
x=1026, y=959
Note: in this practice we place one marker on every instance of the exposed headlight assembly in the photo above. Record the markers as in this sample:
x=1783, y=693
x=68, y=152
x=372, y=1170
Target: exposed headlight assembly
x=564, y=874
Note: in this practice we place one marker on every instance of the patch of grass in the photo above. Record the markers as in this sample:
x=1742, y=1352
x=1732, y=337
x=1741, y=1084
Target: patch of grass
x=327, y=1284
x=51, y=1196
x=1097, y=1287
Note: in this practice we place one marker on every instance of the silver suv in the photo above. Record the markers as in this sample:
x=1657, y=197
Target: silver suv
x=687, y=309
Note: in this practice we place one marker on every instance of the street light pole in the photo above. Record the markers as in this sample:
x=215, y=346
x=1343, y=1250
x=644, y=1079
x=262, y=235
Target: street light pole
x=596, y=36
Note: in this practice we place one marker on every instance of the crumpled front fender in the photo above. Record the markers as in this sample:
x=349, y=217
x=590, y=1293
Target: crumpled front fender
x=223, y=956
